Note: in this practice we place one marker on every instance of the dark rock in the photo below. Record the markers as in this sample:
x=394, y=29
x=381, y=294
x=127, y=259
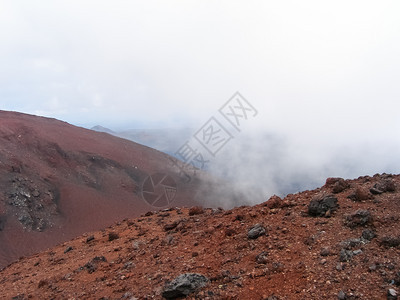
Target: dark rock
x=90, y=238
x=128, y=295
x=391, y=294
x=310, y=240
x=256, y=231
x=383, y=186
x=91, y=266
x=99, y=259
x=389, y=241
x=351, y=243
x=325, y=251
x=339, y=186
x=112, y=236
x=238, y=217
x=345, y=255
x=184, y=285
x=277, y=267
x=26, y=219
x=368, y=234
x=389, y=186
x=375, y=191
x=341, y=295
x=262, y=258
x=68, y=249
x=41, y=225
x=372, y=268
x=319, y=206
x=129, y=265
x=170, y=226
x=196, y=210
x=360, y=217
x=396, y=279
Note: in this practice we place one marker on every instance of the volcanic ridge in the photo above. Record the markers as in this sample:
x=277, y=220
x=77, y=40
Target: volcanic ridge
x=340, y=241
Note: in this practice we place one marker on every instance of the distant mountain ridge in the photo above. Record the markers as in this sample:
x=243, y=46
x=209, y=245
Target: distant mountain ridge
x=100, y=128
x=167, y=140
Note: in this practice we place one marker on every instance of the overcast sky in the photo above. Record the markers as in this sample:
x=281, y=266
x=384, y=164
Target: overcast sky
x=323, y=73
x=299, y=63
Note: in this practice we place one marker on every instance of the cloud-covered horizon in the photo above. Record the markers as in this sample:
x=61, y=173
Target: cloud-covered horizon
x=114, y=61
x=323, y=76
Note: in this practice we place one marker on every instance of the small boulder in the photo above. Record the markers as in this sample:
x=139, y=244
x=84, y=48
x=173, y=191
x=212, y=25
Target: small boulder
x=256, y=231
x=196, y=210
x=322, y=205
x=274, y=202
x=184, y=285
x=360, y=194
x=345, y=255
x=262, y=258
x=341, y=295
x=360, y=217
x=331, y=181
x=339, y=186
x=326, y=251
x=391, y=294
x=390, y=241
x=91, y=266
x=396, y=279
x=352, y=243
x=112, y=236
x=90, y=238
x=383, y=186
x=171, y=226
x=68, y=249
x=368, y=234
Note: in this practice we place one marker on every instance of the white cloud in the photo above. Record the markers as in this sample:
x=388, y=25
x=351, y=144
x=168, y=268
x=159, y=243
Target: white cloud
x=325, y=74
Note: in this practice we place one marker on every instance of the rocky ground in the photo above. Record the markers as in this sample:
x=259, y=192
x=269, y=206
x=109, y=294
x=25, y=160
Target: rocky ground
x=341, y=241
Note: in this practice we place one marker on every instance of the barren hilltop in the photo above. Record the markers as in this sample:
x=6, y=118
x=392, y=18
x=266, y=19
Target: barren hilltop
x=59, y=181
x=340, y=241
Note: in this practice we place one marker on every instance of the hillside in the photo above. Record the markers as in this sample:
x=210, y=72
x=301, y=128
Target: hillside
x=340, y=241
x=58, y=181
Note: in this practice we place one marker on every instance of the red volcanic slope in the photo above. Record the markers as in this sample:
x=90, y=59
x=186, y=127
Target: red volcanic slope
x=340, y=241
x=59, y=181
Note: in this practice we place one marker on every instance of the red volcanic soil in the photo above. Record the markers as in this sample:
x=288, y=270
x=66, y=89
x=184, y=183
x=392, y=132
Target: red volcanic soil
x=58, y=181
x=341, y=241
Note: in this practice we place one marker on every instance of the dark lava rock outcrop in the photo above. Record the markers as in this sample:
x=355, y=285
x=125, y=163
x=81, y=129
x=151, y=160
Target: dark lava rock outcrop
x=184, y=285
